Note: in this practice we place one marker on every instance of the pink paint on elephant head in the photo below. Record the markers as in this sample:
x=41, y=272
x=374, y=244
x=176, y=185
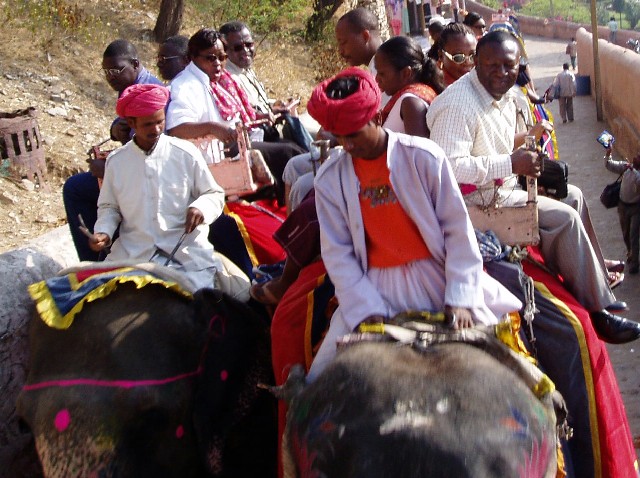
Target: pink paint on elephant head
x=224, y=375
x=62, y=420
x=179, y=431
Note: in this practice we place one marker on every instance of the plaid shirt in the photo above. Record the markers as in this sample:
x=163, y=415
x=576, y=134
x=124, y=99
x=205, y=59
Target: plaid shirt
x=476, y=132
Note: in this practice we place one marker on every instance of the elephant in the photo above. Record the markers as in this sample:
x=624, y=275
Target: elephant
x=147, y=383
x=381, y=410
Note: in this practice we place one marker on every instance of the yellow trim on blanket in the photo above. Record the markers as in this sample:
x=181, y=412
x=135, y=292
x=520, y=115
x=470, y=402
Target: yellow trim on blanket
x=588, y=376
x=544, y=387
x=308, y=346
x=508, y=332
x=371, y=328
x=51, y=315
x=245, y=235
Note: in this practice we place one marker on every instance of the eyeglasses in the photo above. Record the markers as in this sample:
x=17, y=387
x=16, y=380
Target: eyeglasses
x=213, y=58
x=459, y=58
x=113, y=71
x=241, y=46
x=162, y=59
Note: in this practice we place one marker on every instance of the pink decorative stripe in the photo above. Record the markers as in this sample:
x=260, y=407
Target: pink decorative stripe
x=90, y=382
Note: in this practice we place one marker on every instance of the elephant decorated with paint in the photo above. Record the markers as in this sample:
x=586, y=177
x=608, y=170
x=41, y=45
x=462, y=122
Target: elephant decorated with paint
x=146, y=382
x=381, y=410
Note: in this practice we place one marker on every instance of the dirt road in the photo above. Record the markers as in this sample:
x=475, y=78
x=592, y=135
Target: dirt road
x=578, y=146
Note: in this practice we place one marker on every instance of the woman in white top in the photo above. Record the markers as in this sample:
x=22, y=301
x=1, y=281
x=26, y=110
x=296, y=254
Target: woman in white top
x=411, y=80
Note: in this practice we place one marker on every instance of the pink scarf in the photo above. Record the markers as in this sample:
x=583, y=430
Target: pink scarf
x=231, y=100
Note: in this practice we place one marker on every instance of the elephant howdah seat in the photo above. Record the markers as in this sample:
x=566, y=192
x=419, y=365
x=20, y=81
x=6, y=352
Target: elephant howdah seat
x=512, y=225
x=242, y=174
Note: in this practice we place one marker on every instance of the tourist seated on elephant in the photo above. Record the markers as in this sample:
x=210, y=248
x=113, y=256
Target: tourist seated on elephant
x=161, y=194
x=241, y=49
x=122, y=68
x=206, y=100
x=173, y=57
x=389, y=247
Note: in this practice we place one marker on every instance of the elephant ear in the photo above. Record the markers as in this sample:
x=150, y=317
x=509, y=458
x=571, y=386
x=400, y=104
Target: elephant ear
x=233, y=417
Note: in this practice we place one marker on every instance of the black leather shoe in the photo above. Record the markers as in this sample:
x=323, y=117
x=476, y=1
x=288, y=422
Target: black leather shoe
x=614, y=329
x=617, y=306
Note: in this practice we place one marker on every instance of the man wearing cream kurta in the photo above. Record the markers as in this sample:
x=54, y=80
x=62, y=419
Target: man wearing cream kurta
x=157, y=188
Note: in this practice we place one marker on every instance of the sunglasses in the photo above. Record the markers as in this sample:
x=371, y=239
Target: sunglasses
x=213, y=58
x=162, y=59
x=113, y=71
x=459, y=58
x=241, y=46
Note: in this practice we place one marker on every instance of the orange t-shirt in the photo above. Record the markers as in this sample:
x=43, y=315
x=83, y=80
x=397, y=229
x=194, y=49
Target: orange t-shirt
x=392, y=238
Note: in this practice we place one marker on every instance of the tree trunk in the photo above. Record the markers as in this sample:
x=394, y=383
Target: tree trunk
x=169, y=19
x=379, y=10
x=323, y=10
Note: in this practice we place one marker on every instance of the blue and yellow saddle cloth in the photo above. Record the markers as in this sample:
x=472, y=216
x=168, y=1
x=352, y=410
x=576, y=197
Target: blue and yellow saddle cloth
x=59, y=299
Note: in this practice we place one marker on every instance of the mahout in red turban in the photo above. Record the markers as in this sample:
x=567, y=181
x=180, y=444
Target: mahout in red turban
x=142, y=100
x=350, y=114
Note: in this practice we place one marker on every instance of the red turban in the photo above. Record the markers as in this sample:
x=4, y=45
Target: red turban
x=142, y=100
x=347, y=115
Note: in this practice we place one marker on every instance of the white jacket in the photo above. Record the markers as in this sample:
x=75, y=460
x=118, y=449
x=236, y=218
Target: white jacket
x=427, y=190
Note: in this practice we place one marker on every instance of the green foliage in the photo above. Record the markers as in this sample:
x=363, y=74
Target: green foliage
x=49, y=19
x=279, y=17
x=495, y=4
x=40, y=14
x=618, y=5
x=577, y=10
x=632, y=13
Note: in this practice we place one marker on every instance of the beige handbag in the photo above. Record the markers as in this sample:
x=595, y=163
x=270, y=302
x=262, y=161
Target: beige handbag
x=242, y=174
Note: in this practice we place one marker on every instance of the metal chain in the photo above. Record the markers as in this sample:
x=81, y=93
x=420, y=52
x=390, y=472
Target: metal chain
x=516, y=256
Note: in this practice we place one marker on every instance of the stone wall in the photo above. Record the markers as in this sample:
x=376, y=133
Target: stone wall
x=39, y=259
x=619, y=74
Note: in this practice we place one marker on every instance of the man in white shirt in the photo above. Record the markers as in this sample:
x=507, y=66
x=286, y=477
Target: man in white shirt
x=158, y=189
x=240, y=47
x=474, y=121
x=566, y=81
x=613, y=29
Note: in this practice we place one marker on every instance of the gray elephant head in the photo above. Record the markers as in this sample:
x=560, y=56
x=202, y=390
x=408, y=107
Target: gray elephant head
x=147, y=383
x=380, y=410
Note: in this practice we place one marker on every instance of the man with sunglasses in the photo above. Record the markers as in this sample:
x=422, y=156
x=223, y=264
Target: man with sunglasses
x=474, y=121
x=173, y=57
x=240, y=48
x=121, y=68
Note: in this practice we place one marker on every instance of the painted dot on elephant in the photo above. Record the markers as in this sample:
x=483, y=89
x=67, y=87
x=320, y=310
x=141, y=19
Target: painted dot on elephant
x=179, y=431
x=224, y=375
x=62, y=420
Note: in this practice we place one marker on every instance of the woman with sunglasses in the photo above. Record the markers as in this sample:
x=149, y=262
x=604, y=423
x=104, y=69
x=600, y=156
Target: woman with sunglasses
x=411, y=80
x=192, y=112
x=206, y=100
x=475, y=21
x=456, y=51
